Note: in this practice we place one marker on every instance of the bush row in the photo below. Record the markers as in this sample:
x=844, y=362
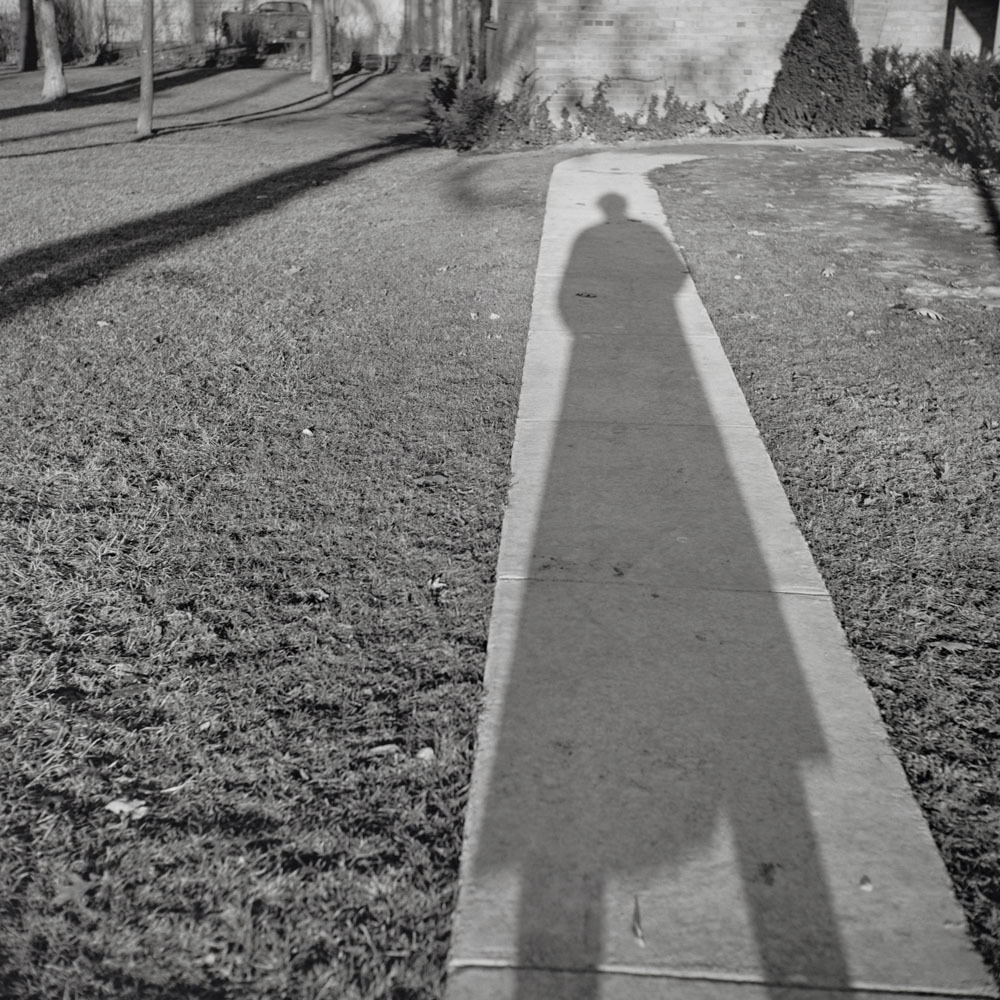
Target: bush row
x=950, y=100
x=474, y=117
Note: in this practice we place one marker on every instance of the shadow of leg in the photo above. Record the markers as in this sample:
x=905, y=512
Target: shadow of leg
x=788, y=900
x=560, y=927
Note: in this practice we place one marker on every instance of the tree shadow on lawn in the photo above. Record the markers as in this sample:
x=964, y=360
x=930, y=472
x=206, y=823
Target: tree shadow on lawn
x=255, y=92
x=989, y=196
x=321, y=99
x=313, y=102
x=123, y=90
x=44, y=273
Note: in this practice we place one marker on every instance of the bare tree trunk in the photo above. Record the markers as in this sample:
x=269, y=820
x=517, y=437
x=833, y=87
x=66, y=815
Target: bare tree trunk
x=54, y=81
x=462, y=48
x=320, y=44
x=27, y=47
x=144, y=124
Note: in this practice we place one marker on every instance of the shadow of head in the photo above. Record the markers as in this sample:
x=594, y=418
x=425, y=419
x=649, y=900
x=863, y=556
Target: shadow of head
x=613, y=206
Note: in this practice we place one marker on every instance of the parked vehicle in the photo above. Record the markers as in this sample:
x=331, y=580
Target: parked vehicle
x=269, y=23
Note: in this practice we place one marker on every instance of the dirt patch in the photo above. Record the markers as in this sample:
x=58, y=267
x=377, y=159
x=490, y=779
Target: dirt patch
x=931, y=265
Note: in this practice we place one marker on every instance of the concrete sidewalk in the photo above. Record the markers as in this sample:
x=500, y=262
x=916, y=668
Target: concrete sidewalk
x=682, y=787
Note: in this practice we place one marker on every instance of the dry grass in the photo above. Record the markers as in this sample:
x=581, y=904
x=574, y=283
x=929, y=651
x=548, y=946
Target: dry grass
x=255, y=457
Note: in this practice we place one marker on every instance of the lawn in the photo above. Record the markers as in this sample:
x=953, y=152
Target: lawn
x=258, y=391
x=259, y=381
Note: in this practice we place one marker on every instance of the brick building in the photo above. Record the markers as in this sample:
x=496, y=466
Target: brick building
x=706, y=50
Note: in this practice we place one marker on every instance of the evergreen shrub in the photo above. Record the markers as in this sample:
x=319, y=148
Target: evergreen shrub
x=820, y=87
x=958, y=99
x=475, y=117
x=891, y=75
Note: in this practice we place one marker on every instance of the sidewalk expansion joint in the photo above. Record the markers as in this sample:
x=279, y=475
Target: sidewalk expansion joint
x=686, y=588
x=708, y=976
x=562, y=421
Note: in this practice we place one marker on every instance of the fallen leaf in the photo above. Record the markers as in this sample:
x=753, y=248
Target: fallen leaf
x=384, y=750
x=426, y=754
x=74, y=889
x=132, y=808
x=954, y=647
x=294, y=269
x=313, y=595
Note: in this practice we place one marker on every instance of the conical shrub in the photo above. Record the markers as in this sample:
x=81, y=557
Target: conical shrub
x=820, y=87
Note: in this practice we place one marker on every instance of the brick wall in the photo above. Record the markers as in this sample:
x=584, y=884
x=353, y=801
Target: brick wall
x=705, y=51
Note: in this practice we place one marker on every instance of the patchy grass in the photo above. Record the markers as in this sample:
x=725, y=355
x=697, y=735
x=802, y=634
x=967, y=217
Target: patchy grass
x=256, y=451
x=884, y=426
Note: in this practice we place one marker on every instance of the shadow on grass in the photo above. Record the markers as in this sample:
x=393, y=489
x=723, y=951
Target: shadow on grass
x=271, y=84
x=281, y=111
x=44, y=273
x=311, y=103
x=112, y=93
x=988, y=196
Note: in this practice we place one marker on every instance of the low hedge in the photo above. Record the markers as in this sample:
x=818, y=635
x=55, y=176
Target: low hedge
x=950, y=100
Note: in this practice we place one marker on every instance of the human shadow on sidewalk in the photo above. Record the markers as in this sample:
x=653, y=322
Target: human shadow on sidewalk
x=655, y=723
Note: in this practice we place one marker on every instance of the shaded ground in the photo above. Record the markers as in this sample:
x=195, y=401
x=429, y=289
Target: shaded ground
x=101, y=107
